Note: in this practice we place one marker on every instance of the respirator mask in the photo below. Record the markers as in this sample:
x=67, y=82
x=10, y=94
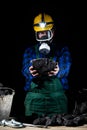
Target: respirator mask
x=44, y=38
x=44, y=48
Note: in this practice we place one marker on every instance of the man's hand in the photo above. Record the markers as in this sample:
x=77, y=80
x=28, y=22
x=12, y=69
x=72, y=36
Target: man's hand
x=33, y=72
x=54, y=72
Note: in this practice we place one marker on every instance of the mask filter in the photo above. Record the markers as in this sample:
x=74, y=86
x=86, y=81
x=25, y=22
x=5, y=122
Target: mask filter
x=44, y=48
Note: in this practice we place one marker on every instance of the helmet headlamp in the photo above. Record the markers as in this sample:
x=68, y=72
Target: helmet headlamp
x=42, y=24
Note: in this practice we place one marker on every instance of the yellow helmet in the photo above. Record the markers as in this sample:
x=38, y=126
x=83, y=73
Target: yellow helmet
x=43, y=22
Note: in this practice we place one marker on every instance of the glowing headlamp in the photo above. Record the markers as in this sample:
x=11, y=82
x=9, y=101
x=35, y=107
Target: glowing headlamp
x=42, y=24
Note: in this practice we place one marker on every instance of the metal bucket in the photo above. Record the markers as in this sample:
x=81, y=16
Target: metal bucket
x=6, y=99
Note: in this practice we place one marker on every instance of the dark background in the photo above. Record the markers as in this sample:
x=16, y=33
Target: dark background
x=17, y=34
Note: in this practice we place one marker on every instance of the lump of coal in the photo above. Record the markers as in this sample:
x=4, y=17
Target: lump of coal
x=5, y=91
x=43, y=65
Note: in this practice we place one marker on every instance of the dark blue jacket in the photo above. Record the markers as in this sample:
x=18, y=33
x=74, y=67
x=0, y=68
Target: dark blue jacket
x=62, y=56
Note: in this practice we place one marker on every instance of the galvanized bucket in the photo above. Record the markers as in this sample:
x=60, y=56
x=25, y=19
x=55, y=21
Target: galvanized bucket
x=6, y=102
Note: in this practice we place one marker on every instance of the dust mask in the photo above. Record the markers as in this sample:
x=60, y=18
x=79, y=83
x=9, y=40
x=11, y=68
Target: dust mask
x=44, y=48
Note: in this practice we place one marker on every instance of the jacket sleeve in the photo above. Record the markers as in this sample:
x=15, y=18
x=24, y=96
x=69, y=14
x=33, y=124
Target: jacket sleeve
x=26, y=63
x=64, y=63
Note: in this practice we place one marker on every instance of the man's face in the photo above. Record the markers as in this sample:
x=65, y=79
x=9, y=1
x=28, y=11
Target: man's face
x=42, y=35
